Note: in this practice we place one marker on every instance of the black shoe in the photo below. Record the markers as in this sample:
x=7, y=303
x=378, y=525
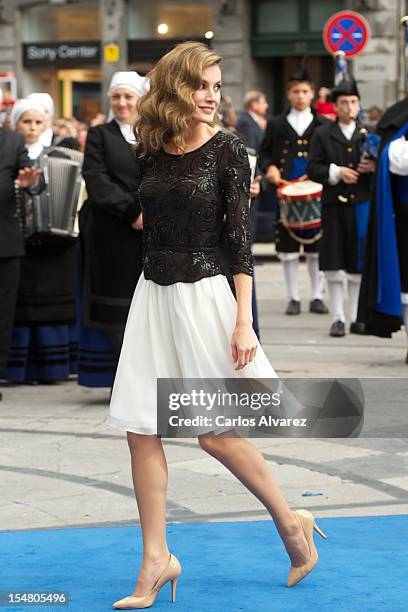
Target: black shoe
x=338, y=329
x=357, y=328
x=318, y=307
x=293, y=308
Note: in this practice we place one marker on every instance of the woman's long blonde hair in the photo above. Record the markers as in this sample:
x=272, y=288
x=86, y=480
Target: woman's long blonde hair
x=165, y=111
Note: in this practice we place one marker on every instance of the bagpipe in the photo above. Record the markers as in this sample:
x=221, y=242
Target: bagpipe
x=369, y=142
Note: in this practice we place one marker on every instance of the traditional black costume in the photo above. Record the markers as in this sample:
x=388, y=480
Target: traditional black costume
x=345, y=208
x=286, y=146
x=44, y=340
x=385, y=277
x=111, y=248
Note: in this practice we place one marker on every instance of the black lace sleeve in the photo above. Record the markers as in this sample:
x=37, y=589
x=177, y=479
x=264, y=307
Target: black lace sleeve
x=235, y=180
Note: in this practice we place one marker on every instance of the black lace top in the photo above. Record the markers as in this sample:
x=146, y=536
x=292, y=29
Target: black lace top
x=188, y=202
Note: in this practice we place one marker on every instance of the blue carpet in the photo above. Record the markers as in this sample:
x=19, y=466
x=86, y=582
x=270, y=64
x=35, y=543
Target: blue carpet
x=227, y=567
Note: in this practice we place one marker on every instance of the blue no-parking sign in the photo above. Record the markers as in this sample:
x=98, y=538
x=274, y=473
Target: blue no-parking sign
x=346, y=31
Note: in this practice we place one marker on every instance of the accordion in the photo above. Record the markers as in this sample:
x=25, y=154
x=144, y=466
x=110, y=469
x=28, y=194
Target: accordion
x=50, y=216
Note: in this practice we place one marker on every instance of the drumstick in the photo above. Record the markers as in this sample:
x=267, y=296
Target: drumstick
x=301, y=178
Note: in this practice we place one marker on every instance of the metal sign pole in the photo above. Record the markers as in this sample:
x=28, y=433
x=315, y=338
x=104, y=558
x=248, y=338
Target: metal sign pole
x=114, y=42
x=404, y=24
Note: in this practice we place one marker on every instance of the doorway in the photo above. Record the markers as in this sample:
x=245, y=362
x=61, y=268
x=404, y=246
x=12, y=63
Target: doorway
x=80, y=93
x=86, y=100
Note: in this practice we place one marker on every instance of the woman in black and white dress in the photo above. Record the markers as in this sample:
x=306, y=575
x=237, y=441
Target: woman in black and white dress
x=183, y=321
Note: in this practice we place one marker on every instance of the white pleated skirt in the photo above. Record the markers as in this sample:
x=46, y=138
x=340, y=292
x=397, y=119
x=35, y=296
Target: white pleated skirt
x=181, y=330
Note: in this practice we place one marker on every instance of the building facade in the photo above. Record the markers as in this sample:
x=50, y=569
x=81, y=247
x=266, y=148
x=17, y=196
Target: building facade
x=263, y=40
x=70, y=48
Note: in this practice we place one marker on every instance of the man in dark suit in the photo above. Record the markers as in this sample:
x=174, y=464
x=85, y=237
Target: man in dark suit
x=14, y=165
x=252, y=123
x=251, y=128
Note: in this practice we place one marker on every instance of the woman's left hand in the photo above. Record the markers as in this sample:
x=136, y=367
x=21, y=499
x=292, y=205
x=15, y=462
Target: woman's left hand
x=138, y=222
x=243, y=345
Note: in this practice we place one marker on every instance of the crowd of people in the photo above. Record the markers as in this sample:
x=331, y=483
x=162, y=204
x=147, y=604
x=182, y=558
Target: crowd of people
x=73, y=131
x=65, y=131
x=70, y=298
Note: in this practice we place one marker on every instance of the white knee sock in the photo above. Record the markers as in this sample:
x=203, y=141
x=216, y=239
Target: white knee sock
x=316, y=277
x=290, y=270
x=405, y=317
x=353, y=290
x=336, y=300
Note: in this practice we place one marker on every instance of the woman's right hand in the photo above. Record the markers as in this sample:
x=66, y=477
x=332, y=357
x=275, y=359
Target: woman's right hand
x=243, y=345
x=138, y=222
x=28, y=176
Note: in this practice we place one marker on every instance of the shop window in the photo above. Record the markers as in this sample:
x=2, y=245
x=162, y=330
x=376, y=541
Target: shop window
x=177, y=19
x=293, y=16
x=86, y=100
x=63, y=23
x=277, y=16
x=319, y=12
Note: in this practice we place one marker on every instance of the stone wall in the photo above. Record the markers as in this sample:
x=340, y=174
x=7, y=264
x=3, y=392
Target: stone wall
x=232, y=32
x=380, y=68
x=8, y=47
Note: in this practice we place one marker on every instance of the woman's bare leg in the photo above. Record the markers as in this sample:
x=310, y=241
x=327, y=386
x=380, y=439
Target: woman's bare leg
x=247, y=463
x=149, y=473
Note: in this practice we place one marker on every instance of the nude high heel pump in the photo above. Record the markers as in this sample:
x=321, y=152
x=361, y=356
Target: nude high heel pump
x=170, y=573
x=307, y=522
